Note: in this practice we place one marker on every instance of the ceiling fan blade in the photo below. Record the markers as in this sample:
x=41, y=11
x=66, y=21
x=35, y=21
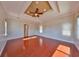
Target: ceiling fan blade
x=32, y=12
x=33, y=15
x=36, y=10
x=40, y=13
x=37, y=15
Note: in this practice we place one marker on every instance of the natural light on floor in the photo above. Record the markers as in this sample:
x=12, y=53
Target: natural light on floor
x=62, y=51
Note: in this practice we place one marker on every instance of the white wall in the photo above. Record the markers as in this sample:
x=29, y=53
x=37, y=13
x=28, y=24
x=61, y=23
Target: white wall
x=2, y=30
x=53, y=29
x=76, y=39
x=16, y=27
x=2, y=17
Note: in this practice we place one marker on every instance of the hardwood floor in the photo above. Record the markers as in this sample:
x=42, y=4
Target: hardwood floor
x=38, y=46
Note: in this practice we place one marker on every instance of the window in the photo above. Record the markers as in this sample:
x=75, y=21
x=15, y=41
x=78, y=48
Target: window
x=78, y=27
x=5, y=28
x=41, y=29
x=66, y=29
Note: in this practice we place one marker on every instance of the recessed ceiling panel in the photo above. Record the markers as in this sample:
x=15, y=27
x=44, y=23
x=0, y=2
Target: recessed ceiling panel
x=38, y=7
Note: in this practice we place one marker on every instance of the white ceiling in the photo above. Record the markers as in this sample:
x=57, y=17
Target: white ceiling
x=17, y=8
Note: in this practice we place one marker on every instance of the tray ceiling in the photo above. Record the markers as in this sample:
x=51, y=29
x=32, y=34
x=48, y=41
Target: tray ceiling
x=17, y=8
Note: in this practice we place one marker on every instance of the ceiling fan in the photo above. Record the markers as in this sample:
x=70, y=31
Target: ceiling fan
x=36, y=13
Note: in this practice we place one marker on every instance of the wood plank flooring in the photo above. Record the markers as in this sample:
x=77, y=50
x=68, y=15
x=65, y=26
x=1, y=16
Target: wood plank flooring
x=38, y=46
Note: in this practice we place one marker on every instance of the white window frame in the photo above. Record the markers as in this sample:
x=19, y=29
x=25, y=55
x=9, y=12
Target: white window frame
x=5, y=28
x=66, y=29
x=78, y=27
x=41, y=28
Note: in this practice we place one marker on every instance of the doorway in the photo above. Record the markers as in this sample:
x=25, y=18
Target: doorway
x=26, y=28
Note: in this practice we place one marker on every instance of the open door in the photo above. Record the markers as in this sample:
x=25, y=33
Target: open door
x=26, y=28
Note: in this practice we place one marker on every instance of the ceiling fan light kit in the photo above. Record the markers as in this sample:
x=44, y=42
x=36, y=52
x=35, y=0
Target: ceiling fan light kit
x=44, y=10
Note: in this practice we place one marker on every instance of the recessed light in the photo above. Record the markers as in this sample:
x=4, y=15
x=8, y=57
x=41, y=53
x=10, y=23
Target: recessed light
x=36, y=14
x=44, y=10
x=37, y=2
